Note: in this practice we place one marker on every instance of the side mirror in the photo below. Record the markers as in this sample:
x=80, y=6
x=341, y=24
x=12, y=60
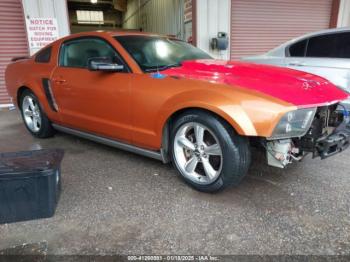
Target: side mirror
x=104, y=64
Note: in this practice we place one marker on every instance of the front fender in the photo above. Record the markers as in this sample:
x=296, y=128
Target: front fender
x=214, y=102
x=250, y=113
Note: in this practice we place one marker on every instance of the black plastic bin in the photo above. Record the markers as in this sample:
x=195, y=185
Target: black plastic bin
x=30, y=184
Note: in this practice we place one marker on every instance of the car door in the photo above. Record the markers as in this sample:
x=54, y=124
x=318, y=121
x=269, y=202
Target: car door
x=324, y=55
x=92, y=101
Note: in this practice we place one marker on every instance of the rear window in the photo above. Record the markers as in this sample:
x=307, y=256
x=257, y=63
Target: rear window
x=44, y=55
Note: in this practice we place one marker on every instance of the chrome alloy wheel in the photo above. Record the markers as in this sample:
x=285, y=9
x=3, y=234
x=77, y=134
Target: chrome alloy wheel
x=197, y=153
x=31, y=113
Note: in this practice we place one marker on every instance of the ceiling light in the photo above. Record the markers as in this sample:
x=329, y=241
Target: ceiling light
x=93, y=1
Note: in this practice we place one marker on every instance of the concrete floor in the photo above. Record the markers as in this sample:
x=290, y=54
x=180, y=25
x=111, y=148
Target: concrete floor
x=304, y=209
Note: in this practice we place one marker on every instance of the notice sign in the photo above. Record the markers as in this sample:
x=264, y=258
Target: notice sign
x=41, y=32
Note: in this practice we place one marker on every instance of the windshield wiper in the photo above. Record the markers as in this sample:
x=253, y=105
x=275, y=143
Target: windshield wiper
x=161, y=68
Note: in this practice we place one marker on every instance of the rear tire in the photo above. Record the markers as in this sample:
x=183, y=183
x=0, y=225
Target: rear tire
x=207, y=151
x=34, y=116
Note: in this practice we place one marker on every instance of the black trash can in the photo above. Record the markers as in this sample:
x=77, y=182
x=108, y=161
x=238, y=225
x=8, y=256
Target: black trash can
x=30, y=184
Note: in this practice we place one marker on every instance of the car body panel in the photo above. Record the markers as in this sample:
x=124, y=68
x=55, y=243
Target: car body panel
x=308, y=90
x=83, y=104
x=134, y=107
x=238, y=108
x=336, y=70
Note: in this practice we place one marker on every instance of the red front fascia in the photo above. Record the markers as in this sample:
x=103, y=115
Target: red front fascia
x=296, y=87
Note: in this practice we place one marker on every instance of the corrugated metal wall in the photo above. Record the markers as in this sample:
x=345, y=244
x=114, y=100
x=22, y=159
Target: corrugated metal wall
x=156, y=16
x=260, y=25
x=13, y=39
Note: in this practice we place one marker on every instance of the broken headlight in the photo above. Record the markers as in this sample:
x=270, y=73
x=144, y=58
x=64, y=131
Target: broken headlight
x=294, y=123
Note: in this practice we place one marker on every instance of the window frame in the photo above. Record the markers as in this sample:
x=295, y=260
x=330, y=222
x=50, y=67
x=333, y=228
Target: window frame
x=49, y=49
x=61, y=50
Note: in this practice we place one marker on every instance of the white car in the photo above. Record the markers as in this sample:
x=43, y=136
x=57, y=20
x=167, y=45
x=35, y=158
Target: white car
x=324, y=53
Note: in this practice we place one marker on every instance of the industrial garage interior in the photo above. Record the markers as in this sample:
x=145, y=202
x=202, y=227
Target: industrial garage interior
x=173, y=17
x=89, y=200
x=154, y=16
x=252, y=27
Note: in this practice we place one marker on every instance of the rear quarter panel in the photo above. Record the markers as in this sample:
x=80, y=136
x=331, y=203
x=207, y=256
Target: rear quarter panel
x=29, y=74
x=15, y=76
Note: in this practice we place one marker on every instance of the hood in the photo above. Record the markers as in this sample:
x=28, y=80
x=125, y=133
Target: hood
x=292, y=86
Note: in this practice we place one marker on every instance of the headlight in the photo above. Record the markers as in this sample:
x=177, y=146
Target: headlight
x=294, y=124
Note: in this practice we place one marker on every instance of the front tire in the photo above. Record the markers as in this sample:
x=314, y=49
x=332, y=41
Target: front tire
x=34, y=117
x=207, y=151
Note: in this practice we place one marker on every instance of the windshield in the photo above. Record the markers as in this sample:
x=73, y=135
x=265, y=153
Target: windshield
x=154, y=53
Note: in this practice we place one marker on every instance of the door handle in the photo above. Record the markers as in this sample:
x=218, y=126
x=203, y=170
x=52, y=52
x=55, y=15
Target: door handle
x=296, y=64
x=59, y=80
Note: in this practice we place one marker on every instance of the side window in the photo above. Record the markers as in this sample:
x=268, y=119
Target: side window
x=76, y=53
x=322, y=46
x=343, y=45
x=298, y=49
x=44, y=56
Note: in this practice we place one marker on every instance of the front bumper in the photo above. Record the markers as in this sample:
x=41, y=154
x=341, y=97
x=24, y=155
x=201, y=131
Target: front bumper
x=334, y=143
x=328, y=135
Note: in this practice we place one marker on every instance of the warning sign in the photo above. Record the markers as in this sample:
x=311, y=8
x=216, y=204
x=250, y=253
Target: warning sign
x=41, y=32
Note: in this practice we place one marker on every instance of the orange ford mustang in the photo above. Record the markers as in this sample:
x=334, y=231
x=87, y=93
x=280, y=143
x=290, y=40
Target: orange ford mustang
x=163, y=98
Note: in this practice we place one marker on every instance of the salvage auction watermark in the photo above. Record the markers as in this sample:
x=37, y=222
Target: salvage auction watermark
x=173, y=258
x=126, y=258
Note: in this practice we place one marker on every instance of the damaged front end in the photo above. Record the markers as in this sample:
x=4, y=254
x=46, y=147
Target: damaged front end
x=328, y=133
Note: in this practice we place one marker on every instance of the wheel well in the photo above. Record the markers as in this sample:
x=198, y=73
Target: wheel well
x=171, y=119
x=19, y=94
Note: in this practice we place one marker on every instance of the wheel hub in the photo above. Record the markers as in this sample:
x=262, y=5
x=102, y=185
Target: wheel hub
x=31, y=114
x=198, y=153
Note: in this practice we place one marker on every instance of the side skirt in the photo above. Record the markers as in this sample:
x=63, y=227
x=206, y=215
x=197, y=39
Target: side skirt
x=112, y=143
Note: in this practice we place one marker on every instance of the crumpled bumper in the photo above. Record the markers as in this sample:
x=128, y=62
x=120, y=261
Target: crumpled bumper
x=335, y=143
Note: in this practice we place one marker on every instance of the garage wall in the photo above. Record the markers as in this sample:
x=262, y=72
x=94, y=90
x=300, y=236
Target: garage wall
x=157, y=16
x=344, y=14
x=48, y=8
x=13, y=40
x=212, y=17
x=13, y=30
x=260, y=25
